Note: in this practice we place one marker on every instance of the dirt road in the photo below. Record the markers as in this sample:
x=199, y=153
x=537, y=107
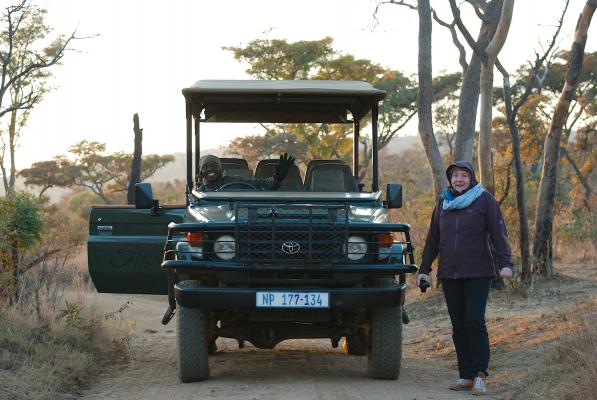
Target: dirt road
x=301, y=369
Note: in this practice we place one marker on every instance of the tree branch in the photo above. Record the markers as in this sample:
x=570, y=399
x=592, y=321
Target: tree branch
x=38, y=260
x=455, y=40
x=469, y=39
x=539, y=61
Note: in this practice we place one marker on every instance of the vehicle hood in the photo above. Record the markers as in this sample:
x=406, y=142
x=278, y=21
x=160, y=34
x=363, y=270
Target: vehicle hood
x=223, y=213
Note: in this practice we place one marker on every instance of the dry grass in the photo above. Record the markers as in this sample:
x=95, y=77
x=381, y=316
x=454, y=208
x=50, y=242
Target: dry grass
x=543, y=339
x=53, y=361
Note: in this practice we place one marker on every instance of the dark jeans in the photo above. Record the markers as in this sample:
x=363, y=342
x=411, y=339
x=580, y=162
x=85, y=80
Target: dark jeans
x=466, y=300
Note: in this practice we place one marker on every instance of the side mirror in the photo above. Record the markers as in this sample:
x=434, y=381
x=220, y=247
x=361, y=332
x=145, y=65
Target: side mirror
x=143, y=195
x=394, y=195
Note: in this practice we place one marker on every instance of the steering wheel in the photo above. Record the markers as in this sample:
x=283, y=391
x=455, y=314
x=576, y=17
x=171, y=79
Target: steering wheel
x=239, y=183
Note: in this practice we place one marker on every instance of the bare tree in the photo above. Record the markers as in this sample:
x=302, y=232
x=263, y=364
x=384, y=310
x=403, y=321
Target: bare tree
x=136, y=163
x=542, y=244
x=25, y=54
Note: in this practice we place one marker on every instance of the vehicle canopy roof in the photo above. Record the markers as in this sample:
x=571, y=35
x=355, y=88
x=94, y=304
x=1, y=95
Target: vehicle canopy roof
x=290, y=101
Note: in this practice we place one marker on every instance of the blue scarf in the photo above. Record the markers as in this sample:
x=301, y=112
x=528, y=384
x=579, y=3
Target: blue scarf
x=452, y=202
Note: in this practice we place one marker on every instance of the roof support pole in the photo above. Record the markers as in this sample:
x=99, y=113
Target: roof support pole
x=355, y=149
x=189, y=149
x=374, y=113
x=197, y=149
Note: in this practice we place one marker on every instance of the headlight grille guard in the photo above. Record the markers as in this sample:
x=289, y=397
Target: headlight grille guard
x=294, y=234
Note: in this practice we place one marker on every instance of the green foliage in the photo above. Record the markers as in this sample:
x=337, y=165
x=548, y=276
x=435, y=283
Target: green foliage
x=279, y=59
x=20, y=223
x=72, y=315
x=46, y=174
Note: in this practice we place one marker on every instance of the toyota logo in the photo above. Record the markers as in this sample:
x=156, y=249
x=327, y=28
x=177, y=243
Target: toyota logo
x=291, y=247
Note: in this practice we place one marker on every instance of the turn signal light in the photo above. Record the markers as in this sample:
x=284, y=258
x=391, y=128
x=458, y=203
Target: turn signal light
x=195, y=239
x=385, y=239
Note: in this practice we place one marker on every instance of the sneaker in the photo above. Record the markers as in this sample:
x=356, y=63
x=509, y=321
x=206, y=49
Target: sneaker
x=478, y=386
x=462, y=384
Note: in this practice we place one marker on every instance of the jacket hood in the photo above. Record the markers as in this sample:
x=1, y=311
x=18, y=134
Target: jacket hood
x=464, y=165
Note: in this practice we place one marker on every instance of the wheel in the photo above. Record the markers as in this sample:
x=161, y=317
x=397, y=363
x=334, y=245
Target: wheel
x=191, y=337
x=385, y=352
x=354, y=345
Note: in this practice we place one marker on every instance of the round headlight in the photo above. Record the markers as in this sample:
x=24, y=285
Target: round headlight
x=225, y=247
x=357, y=248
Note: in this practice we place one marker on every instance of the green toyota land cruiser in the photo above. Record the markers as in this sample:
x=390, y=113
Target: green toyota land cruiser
x=317, y=258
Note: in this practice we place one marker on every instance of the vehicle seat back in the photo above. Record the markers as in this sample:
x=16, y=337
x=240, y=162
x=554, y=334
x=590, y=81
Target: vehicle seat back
x=242, y=172
x=293, y=181
x=331, y=177
x=313, y=163
x=234, y=163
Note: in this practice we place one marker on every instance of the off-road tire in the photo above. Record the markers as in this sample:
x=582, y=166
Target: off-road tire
x=193, y=365
x=385, y=352
x=354, y=345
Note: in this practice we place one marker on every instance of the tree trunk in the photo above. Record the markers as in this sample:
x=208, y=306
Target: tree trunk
x=12, y=132
x=136, y=164
x=3, y=168
x=542, y=248
x=486, y=86
x=425, y=98
x=469, y=94
x=523, y=221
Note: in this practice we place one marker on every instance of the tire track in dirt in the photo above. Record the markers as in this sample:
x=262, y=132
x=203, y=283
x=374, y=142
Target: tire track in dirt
x=298, y=369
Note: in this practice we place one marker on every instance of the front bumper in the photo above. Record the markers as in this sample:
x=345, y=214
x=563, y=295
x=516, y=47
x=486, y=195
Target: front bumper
x=196, y=266
x=218, y=298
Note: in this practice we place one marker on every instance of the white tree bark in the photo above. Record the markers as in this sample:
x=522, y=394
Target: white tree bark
x=486, y=84
x=425, y=98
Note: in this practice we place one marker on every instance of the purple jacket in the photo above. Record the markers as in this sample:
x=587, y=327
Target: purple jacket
x=460, y=237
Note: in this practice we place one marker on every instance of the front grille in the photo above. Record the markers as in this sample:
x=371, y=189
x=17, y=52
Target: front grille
x=291, y=233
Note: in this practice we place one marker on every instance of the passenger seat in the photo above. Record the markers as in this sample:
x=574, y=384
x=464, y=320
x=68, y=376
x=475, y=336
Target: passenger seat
x=331, y=177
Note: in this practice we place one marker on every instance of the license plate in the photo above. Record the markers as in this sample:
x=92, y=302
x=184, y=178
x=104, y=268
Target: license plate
x=293, y=299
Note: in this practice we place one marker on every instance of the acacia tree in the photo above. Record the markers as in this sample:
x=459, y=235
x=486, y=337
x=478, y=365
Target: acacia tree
x=104, y=174
x=278, y=59
x=542, y=244
x=46, y=174
x=26, y=54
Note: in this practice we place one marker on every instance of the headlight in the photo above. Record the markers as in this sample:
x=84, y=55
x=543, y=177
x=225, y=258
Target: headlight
x=186, y=252
x=357, y=248
x=225, y=247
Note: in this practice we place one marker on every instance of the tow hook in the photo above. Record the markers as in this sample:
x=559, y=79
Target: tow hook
x=405, y=318
x=168, y=314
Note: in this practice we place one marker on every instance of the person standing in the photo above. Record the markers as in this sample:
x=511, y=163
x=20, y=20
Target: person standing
x=463, y=221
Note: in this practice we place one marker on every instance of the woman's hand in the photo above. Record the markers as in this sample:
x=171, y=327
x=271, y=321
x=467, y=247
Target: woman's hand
x=422, y=277
x=506, y=272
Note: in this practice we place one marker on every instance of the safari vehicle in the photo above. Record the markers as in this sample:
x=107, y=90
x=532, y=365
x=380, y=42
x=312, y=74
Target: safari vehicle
x=317, y=258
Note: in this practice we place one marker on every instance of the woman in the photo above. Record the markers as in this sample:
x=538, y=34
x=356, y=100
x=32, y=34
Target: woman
x=461, y=224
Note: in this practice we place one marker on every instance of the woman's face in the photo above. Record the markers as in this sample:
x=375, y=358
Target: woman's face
x=460, y=180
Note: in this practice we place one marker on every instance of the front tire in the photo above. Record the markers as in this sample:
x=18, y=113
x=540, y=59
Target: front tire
x=385, y=354
x=193, y=365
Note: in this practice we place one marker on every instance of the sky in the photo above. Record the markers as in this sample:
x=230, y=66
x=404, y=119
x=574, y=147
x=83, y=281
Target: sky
x=141, y=54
